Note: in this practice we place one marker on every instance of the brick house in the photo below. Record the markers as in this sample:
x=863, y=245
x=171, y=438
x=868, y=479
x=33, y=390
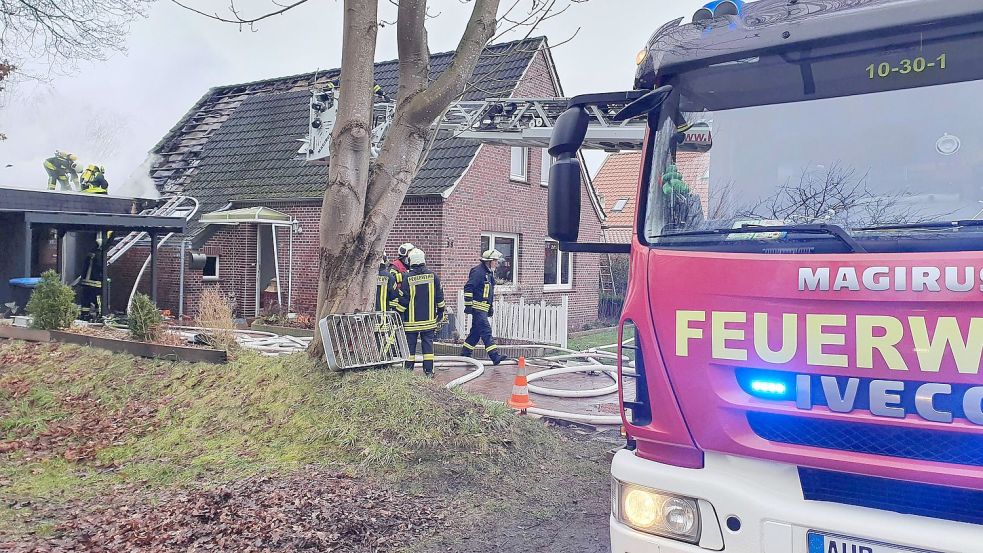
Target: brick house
x=616, y=184
x=237, y=149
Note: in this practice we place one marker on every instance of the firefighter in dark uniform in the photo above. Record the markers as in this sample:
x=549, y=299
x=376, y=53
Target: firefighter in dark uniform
x=94, y=180
x=62, y=171
x=479, y=300
x=390, y=280
x=90, y=283
x=422, y=307
x=387, y=287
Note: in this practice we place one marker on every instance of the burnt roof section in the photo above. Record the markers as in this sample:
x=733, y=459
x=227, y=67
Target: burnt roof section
x=772, y=24
x=240, y=142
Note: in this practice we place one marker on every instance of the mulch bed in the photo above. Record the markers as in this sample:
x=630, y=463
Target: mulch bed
x=310, y=510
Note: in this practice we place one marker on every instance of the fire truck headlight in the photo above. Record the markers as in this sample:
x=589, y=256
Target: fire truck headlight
x=658, y=513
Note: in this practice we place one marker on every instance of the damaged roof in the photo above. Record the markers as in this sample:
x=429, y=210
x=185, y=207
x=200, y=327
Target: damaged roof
x=240, y=142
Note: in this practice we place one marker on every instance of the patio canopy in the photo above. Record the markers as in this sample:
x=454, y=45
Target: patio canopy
x=259, y=215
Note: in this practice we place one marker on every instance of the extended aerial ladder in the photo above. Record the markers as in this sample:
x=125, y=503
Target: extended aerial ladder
x=519, y=122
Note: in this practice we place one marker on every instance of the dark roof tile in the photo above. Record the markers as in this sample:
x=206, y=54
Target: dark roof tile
x=247, y=148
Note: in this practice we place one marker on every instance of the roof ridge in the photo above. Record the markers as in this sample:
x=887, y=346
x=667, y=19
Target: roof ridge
x=310, y=74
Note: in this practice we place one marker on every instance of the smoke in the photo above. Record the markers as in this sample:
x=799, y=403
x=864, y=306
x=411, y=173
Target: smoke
x=139, y=184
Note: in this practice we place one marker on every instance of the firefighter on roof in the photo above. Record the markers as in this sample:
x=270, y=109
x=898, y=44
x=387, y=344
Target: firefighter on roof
x=479, y=300
x=62, y=169
x=94, y=180
x=422, y=307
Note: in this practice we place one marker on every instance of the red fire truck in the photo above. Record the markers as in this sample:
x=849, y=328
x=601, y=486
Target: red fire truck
x=806, y=287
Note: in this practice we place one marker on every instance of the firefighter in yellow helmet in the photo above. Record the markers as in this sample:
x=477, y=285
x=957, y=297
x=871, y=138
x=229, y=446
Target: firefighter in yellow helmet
x=94, y=180
x=62, y=169
x=422, y=307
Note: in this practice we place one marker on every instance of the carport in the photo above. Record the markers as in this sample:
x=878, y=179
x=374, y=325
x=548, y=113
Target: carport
x=100, y=223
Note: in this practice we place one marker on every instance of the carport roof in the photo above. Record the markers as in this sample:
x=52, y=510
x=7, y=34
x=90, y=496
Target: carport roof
x=105, y=221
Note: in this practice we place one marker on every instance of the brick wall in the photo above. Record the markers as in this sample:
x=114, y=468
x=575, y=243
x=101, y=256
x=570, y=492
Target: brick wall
x=236, y=248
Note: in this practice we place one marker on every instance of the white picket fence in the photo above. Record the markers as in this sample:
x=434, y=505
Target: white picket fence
x=539, y=323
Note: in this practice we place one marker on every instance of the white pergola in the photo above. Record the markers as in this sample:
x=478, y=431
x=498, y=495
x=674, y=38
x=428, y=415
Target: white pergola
x=263, y=216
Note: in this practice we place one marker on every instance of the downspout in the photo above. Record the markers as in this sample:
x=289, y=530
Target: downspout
x=290, y=266
x=180, y=294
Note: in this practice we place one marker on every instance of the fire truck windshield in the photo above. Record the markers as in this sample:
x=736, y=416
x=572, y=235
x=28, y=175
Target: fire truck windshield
x=858, y=136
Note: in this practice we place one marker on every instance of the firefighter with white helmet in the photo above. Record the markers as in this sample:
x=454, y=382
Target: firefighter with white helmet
x=402, y=257
x=390, y=279
x=479, y=301
x=422, y=307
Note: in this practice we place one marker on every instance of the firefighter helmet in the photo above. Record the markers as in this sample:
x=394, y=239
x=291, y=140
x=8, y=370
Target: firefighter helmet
x=492, y=255
x=417, y=257
x=405, y=249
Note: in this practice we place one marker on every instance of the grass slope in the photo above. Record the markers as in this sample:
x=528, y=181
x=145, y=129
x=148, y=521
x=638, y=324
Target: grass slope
x=80, y=422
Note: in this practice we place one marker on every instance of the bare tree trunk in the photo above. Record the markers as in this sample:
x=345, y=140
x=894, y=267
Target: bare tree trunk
x=362, y=199
x=345, y=261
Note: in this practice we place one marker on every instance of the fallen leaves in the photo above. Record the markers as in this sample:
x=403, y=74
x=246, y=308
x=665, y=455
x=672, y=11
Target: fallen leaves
x=90, y=428
x=310, y=510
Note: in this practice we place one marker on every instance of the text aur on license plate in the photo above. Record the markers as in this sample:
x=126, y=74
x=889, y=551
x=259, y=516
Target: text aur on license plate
x=832, y=543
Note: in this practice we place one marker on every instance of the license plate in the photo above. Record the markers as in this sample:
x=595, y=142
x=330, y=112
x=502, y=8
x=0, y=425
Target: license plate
x=832, y=543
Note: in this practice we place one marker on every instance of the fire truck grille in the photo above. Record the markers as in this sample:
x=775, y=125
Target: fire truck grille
x=911, y=498
x=907, y=443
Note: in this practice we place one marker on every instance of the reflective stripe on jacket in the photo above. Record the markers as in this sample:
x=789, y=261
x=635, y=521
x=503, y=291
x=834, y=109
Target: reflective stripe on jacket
x=479, y=292
x=422, y=301
x=388, y=289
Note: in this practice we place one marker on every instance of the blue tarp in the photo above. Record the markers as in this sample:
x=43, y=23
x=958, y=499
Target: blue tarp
x=26, y=282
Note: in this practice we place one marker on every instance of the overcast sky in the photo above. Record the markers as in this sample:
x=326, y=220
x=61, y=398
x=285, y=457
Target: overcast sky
x=113, y=112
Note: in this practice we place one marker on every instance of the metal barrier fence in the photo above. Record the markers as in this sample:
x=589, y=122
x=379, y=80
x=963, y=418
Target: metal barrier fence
x=363, y=340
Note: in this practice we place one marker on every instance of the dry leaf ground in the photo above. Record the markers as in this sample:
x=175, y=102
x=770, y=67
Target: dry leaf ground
x=105, y=452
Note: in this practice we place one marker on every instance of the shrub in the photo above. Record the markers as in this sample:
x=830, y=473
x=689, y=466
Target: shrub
x=52, y=304
x=215, y=314
x=145, y=319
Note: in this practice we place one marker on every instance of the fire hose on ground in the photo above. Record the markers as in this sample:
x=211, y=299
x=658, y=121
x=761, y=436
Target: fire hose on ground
x=593, y=366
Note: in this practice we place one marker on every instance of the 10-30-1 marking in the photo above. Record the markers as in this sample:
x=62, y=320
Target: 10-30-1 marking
x=905, y=66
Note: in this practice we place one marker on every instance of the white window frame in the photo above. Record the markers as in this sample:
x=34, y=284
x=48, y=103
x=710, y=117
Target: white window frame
x=515, y=257
x=547, y=163
x=218, y=261
x=523, y=154
x=623, y=202
x=559, y=287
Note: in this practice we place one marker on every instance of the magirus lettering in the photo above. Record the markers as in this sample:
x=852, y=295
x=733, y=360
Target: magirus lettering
x=899, y=279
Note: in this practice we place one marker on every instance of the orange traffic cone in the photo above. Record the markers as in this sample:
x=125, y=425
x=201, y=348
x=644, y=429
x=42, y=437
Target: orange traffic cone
x=520, y=390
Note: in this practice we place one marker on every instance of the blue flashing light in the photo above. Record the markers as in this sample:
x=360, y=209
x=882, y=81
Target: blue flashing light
x=769, y=387
x=719, y=8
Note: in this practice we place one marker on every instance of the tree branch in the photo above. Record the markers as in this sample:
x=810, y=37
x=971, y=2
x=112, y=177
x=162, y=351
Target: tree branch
x=236, y=18
x=414, y=54
x=426, y=107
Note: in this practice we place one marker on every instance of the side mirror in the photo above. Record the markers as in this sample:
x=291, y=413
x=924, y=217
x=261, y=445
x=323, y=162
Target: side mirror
x=563, y=221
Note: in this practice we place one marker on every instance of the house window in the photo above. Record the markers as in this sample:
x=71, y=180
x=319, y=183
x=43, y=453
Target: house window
x=557, y=268
x=507, y=272
x=547, y=163
x=520, y=164
x=619, y=205
x=210, y=271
